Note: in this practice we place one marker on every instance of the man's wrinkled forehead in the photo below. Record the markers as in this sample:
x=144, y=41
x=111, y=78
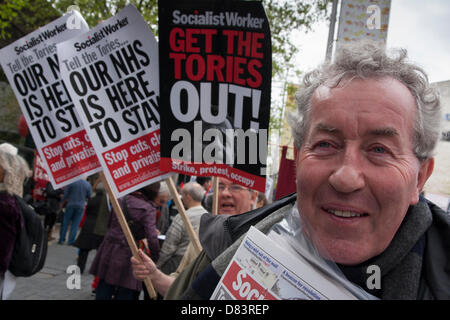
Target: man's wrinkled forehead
x=324, y=91
x=225, y=181
x=321, y=93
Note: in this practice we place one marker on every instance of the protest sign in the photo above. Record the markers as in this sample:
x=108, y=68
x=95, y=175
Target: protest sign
x=126, y=230
x=261, y=269
x=111, y=73
x=215, y=63
x=40, y=178
x=31, y=66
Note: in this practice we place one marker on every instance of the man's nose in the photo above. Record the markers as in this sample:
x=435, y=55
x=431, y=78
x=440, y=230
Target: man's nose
x=348, y=177
x=225, y=192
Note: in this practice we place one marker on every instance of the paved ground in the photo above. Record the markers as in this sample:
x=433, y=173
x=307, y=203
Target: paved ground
x=51, y=282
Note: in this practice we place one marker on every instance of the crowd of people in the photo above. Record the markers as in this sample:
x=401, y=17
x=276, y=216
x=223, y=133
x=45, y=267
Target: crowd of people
x=365, y=129
x=88, y=222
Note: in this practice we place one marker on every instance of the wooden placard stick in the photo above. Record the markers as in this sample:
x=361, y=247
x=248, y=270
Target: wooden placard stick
x=187, y=223
x=215, y=206
x=126, y=230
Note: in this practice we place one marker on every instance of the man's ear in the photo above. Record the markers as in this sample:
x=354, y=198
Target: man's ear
x=253, y=195
x=425, y=171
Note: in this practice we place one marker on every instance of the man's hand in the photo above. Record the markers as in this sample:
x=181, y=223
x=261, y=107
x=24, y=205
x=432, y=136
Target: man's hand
x=144, y=269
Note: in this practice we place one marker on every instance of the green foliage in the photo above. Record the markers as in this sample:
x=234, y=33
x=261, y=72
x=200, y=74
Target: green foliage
x=9, y=110
x=286, y=16
x=96, y=11
x=20, y=17
x=8, y=13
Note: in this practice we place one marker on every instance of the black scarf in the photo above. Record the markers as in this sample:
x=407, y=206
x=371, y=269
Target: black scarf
x=401, y=263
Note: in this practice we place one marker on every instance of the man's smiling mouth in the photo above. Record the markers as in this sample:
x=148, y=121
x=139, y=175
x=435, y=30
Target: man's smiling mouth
x=345, y=214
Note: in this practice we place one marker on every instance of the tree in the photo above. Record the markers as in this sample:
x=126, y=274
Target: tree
x=284, y=17
x=96, y=11
x=20, y=17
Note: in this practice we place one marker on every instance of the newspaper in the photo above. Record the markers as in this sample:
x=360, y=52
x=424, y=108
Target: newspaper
x=262, y=270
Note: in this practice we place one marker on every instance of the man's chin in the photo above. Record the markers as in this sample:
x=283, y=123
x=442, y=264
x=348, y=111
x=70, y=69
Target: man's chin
x=227, y=210
x=346, y=254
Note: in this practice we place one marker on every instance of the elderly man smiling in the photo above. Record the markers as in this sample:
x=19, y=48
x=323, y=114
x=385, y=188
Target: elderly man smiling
x=233, y=200
x=365, y=128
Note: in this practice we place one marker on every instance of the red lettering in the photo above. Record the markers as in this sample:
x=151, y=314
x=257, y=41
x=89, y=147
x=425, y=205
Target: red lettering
x=215, y=66
x=244, y=43
x=230, y=34
x=177, y=58
x=238, y=70
x=175, y=43
x=208, y=39
x=257, y=78
x=256, y=44
x=195, y=62
x=248, y=43
x=229, y=69
x=191, y=41
x=242, y=286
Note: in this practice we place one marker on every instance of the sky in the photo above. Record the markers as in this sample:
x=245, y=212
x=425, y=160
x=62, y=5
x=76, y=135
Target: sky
x=422, y=27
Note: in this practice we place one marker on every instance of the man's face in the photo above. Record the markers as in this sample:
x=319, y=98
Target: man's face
x=185, y=198
x=162, y=199
x=356, y=171
x=234, y=199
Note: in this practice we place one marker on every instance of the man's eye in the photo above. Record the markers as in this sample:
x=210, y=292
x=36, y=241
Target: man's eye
x=379, y=149
x=323, y=144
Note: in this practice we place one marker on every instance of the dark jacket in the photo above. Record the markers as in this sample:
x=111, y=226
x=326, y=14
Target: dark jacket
x=112, y=262
x=53, y=198
x=88, y=239
x=199, y=280
x=219, y=233
x=10, y=225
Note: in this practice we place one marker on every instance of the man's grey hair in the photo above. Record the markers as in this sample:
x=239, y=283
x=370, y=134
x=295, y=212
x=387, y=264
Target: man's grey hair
x=195, y=190
x=163, y=188
x=370, y=60
x=15, y=171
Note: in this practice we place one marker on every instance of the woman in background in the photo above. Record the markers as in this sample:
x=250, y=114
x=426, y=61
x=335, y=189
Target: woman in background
x=112, y=263
x=13, y=172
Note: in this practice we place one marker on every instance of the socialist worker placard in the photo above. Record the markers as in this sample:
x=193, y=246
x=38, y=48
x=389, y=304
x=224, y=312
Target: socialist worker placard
x=32, y=68
x=215, y=71
x=112, y=74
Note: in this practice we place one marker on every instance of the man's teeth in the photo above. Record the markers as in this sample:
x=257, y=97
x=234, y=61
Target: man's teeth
x=345, y=214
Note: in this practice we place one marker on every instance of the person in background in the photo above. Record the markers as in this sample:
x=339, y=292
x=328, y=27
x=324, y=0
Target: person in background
x=206, y=183
x=177, y=237
x=112, y=262
x=53, y=199
x=261, y=200
x=88, y=239
x=13, y=172
x=163, y=218
x=74, y=199
x=365, y=129
x=232, y=201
